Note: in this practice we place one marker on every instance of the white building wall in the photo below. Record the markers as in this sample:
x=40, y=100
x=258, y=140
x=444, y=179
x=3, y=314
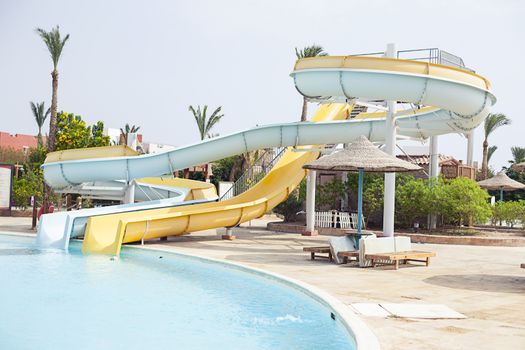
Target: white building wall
x=157, y=147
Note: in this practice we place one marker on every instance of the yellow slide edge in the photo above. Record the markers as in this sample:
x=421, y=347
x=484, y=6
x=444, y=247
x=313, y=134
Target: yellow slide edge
x=393, y=65
x=91, y=152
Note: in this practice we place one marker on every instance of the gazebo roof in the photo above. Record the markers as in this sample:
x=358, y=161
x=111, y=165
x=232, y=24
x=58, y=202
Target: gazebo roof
x=361, y=154
x=501, y=182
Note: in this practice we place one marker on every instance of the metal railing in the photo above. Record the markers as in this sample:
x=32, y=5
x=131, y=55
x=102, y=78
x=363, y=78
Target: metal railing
x=255, y=173
x=431, y=55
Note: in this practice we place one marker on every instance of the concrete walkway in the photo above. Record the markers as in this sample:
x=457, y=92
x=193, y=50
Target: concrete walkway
x=484, y=283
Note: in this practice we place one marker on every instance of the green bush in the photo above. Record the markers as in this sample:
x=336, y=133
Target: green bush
x=460, y=199
x=456, y=201
x=327, y=195
x=509, y=212
x=73, y=132
x=373, y=193
x=290, y=207
x=293, y=204
x=28, y=185
x=414, y=199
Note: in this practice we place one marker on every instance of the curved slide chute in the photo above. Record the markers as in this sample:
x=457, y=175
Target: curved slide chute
x=459, y=101
x=56, y=229
x=106, y=234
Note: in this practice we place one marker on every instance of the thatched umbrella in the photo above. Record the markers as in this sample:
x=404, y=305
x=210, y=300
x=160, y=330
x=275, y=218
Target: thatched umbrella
x=502, y=183
x=360, y=156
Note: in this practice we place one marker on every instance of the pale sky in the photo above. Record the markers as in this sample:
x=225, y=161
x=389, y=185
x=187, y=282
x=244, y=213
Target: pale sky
x=145, y=62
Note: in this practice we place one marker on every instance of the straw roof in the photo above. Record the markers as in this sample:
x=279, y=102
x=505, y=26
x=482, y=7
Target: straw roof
x=501, y=182
x=361, y=154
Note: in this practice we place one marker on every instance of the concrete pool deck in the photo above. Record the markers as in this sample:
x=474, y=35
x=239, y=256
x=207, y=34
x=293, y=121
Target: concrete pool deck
x=486, y=284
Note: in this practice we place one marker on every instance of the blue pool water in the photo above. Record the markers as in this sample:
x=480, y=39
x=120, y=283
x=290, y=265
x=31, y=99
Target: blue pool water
x=57, y=300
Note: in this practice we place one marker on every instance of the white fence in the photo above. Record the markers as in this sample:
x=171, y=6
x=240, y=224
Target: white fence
x=336, y=219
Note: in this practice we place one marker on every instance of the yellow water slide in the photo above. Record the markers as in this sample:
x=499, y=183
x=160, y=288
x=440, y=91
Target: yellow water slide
x=105, y=234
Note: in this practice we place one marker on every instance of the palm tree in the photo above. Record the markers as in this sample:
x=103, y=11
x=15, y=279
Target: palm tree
x=308, y=51
x=490, y=152
x=40, y=117
x=55, y=43
x=518, y=155
x=204, y=123
x=127, y=130
x=492, y=122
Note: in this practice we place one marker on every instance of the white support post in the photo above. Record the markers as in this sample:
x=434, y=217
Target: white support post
x=310, y=203
x=390, y=144
x=228, y=235
x=434, y=157
x=470, y=148
x=433, y=173
x=129, y=196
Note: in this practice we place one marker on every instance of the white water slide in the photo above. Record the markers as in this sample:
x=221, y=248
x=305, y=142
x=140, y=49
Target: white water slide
x=447, y=99
x=461, y=100
x=56, y=229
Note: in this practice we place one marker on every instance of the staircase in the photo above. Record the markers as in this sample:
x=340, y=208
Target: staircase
x=356, y=110
x=266, y=162
x=255, y=173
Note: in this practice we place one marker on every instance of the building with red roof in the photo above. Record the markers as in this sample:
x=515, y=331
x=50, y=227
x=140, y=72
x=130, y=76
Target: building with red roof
x=18, y=142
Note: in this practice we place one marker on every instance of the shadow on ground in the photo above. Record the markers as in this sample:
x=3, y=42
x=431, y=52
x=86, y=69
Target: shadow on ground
x=277, y=259
x=480, y=282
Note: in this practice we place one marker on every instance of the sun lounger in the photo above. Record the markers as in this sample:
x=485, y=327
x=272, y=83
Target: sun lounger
x=349, y=256
x=316, y=251
x=413, y=255
x=389, y=251
x=346, y=243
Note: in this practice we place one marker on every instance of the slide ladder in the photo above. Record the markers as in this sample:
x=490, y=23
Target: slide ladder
x=255, y=172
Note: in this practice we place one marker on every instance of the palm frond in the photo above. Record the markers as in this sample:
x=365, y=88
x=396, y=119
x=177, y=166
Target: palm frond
x=493, y=122
x=310, y=51
x=214, y=119
x=205, y=124
x=490, y=152
x=54, y=42
x=39, y=113
x=518, y=155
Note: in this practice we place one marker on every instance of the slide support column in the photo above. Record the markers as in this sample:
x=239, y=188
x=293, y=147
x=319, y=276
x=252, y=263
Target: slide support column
x=433, y=173
x=390, y=178
x=311, y=176
x=470, y=147
x=129, y=196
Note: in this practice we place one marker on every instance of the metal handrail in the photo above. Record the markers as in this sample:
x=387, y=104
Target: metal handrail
x=435, y=55
x=254, y=174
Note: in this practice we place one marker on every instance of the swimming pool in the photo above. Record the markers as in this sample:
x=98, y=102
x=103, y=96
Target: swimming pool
x=150, y=300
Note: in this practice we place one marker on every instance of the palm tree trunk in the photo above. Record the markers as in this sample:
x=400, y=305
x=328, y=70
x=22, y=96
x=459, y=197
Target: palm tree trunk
x=305, y=110
x=234, y=169
x=484, y=164
x=205, y=173
x=39, y=137
x=52, y=134
x=53, y=117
